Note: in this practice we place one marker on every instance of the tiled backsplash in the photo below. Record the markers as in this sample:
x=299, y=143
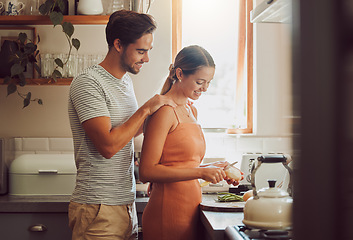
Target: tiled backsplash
x=231, y=147
x=219, y=145
x=15, y=147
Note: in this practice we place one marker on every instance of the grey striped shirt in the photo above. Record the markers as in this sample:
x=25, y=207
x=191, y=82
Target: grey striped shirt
x=96, y=93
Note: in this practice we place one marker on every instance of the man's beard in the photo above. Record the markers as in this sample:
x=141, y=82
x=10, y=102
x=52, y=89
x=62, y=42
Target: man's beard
x=126, y=66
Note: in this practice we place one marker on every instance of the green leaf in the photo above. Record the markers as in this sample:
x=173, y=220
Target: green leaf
x=61, y=5
x=59, y=62
x=68, y=28
x=32, y=59
x=24, y=63
x=56, y=73
x=40, y=101
x=38, y=39
x=27, y=100
x=56, y=18
x=7, y=79
x=46, y=7
x=16, y=69
x=22, y=80
x=11, y=88
x=22, y=37
x=76, y=43
x=30, y=48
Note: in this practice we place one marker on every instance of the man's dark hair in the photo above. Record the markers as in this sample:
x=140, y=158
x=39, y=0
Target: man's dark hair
x=128, y=26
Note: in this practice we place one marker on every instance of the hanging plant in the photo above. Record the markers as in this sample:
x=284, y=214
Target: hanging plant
x=28, y=52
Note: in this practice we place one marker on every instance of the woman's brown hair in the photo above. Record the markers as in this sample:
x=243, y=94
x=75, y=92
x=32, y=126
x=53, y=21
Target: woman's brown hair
x=189, y=60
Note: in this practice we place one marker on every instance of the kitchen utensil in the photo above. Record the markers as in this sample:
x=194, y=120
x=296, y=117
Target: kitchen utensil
x=230, y=165
x=269, y=208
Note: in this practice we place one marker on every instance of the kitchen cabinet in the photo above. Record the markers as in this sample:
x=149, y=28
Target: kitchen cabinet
x=37, y=226
x=19, y=213
x=44, y=20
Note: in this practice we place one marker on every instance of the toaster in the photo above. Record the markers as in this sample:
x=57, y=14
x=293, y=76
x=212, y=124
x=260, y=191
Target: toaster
x=274, y=171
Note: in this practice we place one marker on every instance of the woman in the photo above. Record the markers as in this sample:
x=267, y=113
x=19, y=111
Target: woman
x=173, y=149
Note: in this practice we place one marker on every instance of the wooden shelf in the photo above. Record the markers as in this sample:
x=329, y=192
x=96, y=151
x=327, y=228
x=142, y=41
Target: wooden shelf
x=44, y=20
x=45, y=81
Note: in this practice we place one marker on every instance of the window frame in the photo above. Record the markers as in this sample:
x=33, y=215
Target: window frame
x=246, y=33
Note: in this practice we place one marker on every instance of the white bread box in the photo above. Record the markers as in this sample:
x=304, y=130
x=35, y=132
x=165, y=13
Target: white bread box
x=42, y=174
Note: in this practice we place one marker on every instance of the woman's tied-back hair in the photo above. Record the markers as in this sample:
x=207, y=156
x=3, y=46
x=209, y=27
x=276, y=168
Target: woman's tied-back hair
x=189, y=60
x=128, y=26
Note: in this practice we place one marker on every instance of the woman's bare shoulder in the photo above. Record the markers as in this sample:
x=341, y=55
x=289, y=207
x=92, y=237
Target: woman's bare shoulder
x=163, y=116
x=164, y=112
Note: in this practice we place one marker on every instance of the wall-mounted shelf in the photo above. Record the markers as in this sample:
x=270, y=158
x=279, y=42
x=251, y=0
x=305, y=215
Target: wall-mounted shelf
x=44, y=20
x=44, y=81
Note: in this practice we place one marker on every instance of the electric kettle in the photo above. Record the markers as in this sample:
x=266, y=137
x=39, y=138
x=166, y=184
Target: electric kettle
x=270, y=207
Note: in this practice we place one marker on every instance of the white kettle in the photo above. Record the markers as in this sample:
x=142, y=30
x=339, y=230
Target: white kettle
x=269, y=208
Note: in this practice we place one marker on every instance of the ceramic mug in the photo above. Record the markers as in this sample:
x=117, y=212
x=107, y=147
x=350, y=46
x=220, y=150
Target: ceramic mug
x=13, y=7
x=1, y=7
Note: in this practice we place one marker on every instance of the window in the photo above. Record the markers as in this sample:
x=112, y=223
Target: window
x=222, y=27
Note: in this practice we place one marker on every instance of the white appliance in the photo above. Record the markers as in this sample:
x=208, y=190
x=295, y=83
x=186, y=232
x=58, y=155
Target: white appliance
x=266, y=171
x=42, y=174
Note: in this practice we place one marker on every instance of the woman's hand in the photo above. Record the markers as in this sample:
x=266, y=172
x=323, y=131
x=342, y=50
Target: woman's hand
x=223, y=165
x=213, y=174
x=233, y=181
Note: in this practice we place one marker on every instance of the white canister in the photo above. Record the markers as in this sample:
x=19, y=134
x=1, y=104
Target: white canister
x=13, y=7
x=90, y=7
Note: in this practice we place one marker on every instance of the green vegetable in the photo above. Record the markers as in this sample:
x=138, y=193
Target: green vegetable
x=229, y=197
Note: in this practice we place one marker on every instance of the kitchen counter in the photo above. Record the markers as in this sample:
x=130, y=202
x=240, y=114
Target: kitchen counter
x=213, y=222
x=216, y=222
x=45, y=203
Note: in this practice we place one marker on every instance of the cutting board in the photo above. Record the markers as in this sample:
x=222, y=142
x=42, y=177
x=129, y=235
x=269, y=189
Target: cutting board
x=210, y=203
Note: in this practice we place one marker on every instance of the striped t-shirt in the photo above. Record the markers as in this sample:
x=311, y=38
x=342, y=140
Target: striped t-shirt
x=96, y=93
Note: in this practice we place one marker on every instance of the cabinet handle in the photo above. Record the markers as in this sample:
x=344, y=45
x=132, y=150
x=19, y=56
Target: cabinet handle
x=38, y=228
x=53, y=171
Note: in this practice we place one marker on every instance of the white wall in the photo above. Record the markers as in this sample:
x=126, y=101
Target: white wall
x=272, y=79
x=51, y=119
x=272, y=76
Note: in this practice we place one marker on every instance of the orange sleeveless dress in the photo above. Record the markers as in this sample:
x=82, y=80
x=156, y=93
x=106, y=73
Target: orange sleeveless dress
x=172, y=212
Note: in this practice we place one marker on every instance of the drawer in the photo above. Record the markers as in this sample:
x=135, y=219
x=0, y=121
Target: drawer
x=15, y=226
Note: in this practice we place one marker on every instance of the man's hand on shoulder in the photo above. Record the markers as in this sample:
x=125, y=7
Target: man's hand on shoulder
x=158, y=101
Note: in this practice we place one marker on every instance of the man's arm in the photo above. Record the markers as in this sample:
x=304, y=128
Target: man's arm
x=108, y=140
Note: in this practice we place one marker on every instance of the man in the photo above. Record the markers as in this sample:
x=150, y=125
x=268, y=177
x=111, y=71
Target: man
x=104, y=119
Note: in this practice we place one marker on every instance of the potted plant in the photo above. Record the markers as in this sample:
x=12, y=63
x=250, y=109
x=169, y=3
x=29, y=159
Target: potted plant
x=28, y=52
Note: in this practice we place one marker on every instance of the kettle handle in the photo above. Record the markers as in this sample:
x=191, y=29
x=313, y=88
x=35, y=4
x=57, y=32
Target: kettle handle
x=271, y=159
